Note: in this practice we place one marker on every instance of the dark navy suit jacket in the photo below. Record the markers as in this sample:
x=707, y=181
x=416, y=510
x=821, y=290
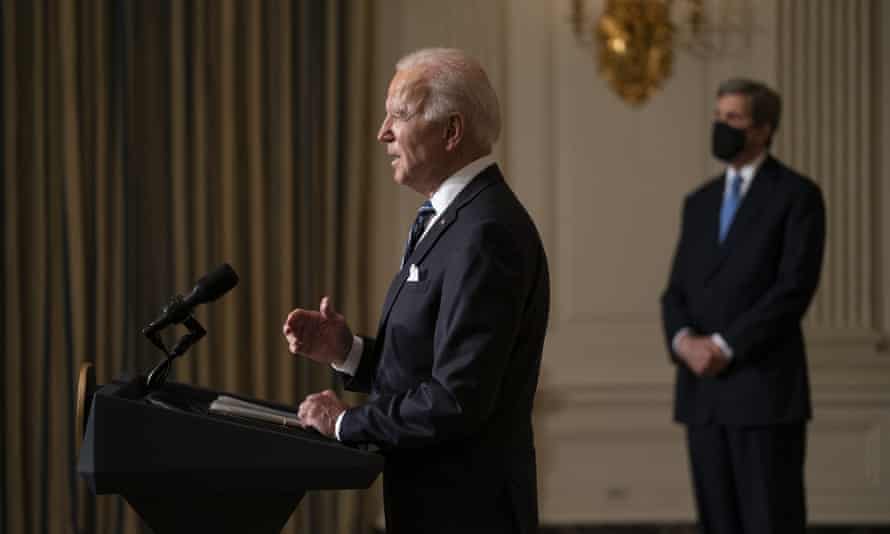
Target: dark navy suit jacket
x=454, y=367
x=753, y=290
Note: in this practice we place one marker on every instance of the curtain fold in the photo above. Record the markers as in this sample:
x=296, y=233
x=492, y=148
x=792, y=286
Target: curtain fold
x=144, y=143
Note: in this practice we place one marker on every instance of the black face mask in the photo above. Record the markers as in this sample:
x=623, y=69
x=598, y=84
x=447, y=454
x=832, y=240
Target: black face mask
x=727, y=142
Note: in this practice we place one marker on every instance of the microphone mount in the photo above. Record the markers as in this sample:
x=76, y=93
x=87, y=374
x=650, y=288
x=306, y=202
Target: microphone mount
x=158, y=376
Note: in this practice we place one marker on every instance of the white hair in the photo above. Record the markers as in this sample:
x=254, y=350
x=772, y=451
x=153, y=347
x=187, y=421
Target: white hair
x=457, y=83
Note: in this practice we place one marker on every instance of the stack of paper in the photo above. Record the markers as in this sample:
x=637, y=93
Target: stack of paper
x=225, y=404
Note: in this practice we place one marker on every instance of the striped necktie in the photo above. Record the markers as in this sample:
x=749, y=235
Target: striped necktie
x=424, y=213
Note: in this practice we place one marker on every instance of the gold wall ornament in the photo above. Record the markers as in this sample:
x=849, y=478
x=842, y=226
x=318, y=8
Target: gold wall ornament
x=635, y=40
x=635, y=47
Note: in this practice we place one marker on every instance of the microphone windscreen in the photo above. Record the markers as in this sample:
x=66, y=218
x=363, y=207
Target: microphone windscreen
x=213, y=285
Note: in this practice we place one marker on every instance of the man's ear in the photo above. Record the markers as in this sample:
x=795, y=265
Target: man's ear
x=454, y=131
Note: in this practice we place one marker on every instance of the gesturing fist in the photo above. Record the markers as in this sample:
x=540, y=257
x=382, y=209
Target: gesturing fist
x=321, y=335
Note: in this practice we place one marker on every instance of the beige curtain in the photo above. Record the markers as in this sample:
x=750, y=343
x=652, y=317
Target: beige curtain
x=144, y=143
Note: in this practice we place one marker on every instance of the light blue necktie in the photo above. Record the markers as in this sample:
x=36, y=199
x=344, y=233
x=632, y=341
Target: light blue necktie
x=424, y=212
x=730, y=205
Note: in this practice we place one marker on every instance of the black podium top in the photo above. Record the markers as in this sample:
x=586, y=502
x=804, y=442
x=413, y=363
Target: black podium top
x=169, y=443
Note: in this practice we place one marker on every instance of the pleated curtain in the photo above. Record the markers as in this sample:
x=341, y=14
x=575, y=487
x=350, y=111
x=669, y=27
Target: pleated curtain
x=145, y=143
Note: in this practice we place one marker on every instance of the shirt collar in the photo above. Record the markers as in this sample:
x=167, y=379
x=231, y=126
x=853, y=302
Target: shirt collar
x=747, y=172
x=453, y=185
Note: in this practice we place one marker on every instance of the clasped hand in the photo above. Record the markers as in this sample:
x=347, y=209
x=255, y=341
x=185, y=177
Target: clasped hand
x=702, y=355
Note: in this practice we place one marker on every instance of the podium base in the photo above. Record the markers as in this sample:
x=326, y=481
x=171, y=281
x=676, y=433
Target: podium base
x=223, y=514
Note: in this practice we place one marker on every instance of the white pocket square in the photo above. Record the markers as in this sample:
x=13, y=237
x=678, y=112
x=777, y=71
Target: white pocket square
x=413, y=273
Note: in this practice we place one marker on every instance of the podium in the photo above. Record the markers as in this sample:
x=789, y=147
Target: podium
x=185, y=469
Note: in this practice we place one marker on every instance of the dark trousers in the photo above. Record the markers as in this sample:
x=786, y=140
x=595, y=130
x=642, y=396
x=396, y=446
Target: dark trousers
x=748, y=480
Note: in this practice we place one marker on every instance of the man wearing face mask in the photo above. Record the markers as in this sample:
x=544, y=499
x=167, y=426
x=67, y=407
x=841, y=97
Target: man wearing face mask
x=744, y=272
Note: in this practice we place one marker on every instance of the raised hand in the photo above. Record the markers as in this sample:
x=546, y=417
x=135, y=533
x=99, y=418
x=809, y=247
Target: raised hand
x=321, y=335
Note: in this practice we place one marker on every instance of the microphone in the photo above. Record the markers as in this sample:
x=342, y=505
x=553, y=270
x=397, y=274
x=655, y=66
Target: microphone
x=209, y=287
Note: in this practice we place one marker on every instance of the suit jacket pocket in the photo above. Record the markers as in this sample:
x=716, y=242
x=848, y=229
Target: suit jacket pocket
x=417, y=287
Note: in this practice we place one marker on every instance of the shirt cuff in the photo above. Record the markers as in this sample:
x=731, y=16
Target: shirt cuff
x=724, y=346
x=675, y=343
x=350, y=366
x=337, y=425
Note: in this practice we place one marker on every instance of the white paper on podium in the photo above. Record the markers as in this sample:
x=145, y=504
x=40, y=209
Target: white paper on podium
x=227, y=405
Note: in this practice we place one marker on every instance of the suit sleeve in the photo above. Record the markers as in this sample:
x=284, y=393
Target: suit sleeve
x=361, y=381
x=674, y=312
x=477, y=323
x=783, y=306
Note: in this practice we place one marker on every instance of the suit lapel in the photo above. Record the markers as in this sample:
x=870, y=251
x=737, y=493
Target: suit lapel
x=746, y=216
x=712, y=204
x=485, y=179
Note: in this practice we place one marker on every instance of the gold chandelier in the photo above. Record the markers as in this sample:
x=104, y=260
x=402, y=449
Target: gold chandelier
x=636, y=39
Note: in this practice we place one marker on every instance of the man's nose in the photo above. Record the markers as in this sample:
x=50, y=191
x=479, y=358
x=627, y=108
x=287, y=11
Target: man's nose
x=384, y=135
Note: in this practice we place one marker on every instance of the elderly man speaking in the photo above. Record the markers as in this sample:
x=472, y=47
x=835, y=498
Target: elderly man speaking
x=452, y=371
